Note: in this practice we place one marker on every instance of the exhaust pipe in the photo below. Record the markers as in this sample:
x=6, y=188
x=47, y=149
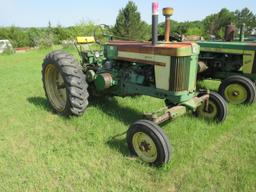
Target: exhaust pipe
x=155, y=14
x=167, y=12
x=242, y=32
x=230, y=32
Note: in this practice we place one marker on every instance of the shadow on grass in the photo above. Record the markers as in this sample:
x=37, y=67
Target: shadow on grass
x=126, y=115
x=122, y=114
x=111, y=108
x=119, y=145
x=40, y=102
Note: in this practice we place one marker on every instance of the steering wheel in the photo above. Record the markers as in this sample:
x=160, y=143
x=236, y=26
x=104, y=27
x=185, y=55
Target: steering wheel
x=102, y=34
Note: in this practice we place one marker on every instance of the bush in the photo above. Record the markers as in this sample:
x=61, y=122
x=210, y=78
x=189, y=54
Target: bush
x=46, y=41
x=68, y=44
x=45, y=37
x=9, y=50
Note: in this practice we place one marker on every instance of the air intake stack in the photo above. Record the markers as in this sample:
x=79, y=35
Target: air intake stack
x=167, y=12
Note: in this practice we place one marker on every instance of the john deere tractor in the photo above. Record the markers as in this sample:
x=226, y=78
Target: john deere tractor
x=164, y=70
x=232, y=62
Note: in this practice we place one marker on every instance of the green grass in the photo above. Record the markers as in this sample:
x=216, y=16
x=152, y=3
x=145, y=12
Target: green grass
x=41, y=151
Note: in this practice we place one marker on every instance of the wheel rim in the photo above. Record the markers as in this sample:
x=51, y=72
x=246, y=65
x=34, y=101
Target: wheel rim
x=236, y=94
x=145, y=147
x=209, y=113
x=55, y=87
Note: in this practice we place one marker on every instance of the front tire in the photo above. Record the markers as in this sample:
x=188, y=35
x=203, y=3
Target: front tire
x=64, y=84
x=147, y=141
x=217, y=108
x=238, y=90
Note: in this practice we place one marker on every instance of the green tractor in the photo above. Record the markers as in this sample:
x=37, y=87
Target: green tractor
x=232, y=62
x=164, y=70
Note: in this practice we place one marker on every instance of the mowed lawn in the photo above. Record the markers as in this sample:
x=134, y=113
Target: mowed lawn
x=42, y=151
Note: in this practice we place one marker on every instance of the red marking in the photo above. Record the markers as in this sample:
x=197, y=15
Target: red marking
x=155, y=7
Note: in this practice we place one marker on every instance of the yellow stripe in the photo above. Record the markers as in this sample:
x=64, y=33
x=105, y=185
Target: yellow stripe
x=248, y=59
x=162, y=73
x=140, y=56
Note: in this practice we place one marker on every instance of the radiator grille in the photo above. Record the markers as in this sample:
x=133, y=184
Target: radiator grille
x=179, y=73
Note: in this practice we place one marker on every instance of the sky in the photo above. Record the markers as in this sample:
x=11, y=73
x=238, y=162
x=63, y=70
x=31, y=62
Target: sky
x=38, y=13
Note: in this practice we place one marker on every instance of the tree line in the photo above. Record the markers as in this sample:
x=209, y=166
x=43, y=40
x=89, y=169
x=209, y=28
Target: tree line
x=44, y=37
x=129, y=25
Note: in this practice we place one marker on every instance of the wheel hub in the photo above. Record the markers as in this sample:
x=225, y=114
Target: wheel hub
x=208, y=112
x=236, y=93
x=55, y=87
x=209, y=109
x=144, y=146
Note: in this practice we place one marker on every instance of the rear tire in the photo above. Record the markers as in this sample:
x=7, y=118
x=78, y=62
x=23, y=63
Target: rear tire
x=147, y=141
x=64, y=84
x=238, y=90
x=217, y=108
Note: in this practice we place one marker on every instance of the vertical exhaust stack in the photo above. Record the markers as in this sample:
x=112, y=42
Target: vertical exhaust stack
x=167, y=12
x=230, y=32
x=242, y=32
x=155, y=13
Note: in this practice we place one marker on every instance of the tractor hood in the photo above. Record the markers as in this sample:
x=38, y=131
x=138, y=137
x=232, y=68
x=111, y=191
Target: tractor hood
x=165, y=49
x=228, y=45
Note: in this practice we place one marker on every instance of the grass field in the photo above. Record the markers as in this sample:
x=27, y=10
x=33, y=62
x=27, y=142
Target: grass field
x=41, y=151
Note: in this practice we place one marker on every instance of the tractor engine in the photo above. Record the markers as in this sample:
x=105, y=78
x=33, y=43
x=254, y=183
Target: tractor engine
x=134, y=68
x=219, y=62
x=114, y=73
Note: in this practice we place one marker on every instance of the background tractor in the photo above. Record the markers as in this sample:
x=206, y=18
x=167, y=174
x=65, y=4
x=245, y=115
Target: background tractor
x=234, y=63
x=164, y=70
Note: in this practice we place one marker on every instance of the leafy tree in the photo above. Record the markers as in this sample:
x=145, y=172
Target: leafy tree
x=60, y=33
x=34, y=36
x=248, y=18
x=190, y=28
x=185, y=28
x=174, y=27
x=129, y=24
x=83, y=28
x=215, y=24
x=194, y=31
